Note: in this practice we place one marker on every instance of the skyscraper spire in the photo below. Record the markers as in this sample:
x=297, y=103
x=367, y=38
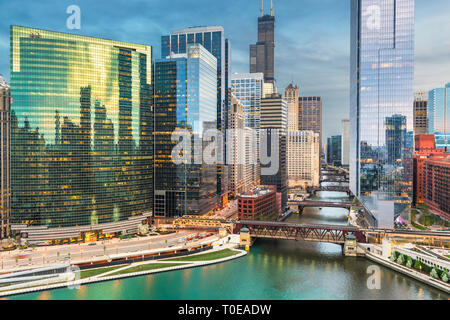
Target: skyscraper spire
x=262, y=8
x=271, y=8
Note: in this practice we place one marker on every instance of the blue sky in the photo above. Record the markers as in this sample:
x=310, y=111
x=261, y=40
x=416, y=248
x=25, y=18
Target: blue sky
x=312, y=37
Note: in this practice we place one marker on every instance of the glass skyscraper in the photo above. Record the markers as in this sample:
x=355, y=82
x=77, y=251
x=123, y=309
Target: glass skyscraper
x=381, y=110
x=185, y=99
x=438, y=115
x=213, y=39
x=81, y=140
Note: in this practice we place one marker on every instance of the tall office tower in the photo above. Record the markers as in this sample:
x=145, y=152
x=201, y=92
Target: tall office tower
x=381, y=82
x=5, y=183
x=212, y=39
x=262, y=54
x=248, y=89
x=291, y=96
x=310, y=115
x=240, y=167
x=81, y=136
x=345, y=142
x=334, y=150
x=303, y=159
x=185, y=99
x=439, y=115
x=274, y=118
x=420, y=113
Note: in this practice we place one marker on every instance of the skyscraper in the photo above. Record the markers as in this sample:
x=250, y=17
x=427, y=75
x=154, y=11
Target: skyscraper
x=310, y=115
x=438, y=114
x=262, y=54
x=185, y=99
x=5, y=191
x=334, y=150
x=81, y=136
x=303, y=161
x=248, y=89
x=213, y=39
x=291, y=97
x=274, y=119
x=420, y=113
x=381, y=82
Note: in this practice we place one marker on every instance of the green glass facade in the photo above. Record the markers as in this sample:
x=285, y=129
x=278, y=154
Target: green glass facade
x=82, y=125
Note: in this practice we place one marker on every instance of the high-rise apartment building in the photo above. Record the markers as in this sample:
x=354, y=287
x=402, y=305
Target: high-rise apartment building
x=303, y=159
x=248, y=89
x=345, y=142
x=212, y=38
x=81, y=136
x=291, y=97
x=5, y=183
x=437, y=185
x=420, y=113
x=239, y=153
x=381, y=106
x=185, y=99
x=438, y=114
x=310, y=115
x=262, y=54
x=274, y=121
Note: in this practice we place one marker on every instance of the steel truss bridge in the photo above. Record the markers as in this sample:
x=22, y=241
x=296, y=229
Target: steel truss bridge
x=300, y=232
x=323, y=204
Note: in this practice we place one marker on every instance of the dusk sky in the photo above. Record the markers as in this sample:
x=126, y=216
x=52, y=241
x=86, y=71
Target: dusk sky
x=312, y=37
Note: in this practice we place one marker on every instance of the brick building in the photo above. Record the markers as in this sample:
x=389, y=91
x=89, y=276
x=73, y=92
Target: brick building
x=437, y=185
x=257, y=203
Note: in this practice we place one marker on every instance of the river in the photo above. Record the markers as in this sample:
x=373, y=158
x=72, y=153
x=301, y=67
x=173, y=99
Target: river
x=274, y=269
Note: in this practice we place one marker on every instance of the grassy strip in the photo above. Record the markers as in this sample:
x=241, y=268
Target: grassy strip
x=145, y=267
x=417, y=226
x=93, y=272
x=207, y=256
x=448, y=256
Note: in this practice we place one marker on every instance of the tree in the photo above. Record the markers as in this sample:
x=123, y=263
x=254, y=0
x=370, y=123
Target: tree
x=417, y=265
x=401, y=259
x=409, y=262
x=434, y=273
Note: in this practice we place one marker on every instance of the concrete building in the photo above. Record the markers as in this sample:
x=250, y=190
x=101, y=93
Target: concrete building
x=5, y=176
x=291, y=97
x=274, y=119
x=185, y=99
x=381, y=107
x=303, y=159
x=262, y=54
x=420, y=113
x=240, y=158
x=437, y=185
x=345, y=143
x=260, y=202
x=248, y=89
x=425, y=148
x=310, y=115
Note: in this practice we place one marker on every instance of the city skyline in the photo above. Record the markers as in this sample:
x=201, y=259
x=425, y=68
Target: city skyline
x=314, y=67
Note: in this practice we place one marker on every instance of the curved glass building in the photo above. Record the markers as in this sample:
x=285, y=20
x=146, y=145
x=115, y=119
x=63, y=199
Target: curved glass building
x=81, y=136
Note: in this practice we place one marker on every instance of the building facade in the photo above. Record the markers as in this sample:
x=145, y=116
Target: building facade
x=310, y=115
x=274, y=121
x=81, y=136
x=5, y=184
x=303, y=159
x=381, y=95
x=248, y=89
x=262, y=54
x=334, y=150
x=345, y=143
x=420, y=113
x=438, y=115
x=260, y=202
x=291, y=97
x=239, y=153
x=437, y=185
x=212, y=38
x=185, y=100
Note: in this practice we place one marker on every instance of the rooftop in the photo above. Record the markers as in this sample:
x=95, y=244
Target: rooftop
x=257, y=192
